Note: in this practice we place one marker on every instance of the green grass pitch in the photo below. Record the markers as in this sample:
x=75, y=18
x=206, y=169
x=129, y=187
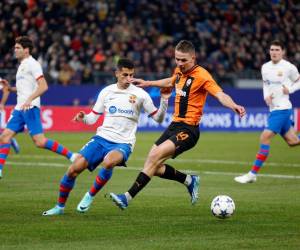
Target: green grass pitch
x=267, y=212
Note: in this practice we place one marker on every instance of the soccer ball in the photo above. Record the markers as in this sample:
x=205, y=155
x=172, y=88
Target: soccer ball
x=222, y=206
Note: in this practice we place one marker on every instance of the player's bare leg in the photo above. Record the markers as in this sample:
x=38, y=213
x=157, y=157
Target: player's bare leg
x=261, y=157
x=291, y=138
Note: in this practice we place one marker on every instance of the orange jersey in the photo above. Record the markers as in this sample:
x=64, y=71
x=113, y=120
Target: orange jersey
x=191, y=91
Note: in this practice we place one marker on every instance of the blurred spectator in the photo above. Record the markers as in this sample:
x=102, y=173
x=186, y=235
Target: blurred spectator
x=87, y=76
x=65, y=74
x=78, y=39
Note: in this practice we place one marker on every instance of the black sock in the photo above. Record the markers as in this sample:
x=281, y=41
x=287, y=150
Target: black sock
x=141, y=181
x=173, y=174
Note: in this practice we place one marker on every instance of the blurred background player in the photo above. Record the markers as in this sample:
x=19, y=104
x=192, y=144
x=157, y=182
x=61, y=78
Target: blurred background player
x=280, y=78
x=192, y=84
x=30, y=85
x=112, y=145
x=5, y=94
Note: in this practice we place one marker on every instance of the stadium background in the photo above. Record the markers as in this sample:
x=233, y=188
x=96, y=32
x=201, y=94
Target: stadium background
x=79, y=42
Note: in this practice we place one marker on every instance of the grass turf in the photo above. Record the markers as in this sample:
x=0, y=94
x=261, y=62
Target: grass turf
x=161, y=217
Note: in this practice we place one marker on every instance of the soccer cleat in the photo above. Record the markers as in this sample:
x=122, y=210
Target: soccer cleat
x=85, y=203
x=0, y=173
x=120, y=200
x=73, y=157
x=246, y=178
x=193, y=188
x=57, y=210
x=15, y=145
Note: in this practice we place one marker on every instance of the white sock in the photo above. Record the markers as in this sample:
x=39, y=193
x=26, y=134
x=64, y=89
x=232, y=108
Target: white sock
x=128, y=196
x=188, y=180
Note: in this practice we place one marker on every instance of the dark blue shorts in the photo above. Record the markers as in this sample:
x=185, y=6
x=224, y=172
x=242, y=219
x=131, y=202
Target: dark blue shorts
x=31, y=118
x=97, y=148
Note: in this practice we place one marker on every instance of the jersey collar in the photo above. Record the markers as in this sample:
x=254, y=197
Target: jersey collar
x=190, y=70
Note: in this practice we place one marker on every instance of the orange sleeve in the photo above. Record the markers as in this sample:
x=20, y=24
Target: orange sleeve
x=210, y=84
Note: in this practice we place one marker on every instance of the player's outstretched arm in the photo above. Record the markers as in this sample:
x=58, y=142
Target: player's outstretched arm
x=166, y=92
x=227, y=101
x=89, y=119
x=166, y=82
x=4, y=83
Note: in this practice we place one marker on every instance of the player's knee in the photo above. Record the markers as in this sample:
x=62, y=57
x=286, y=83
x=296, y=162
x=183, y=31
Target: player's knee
x=4, y=139
x=72, y=172
x=265, y=139
x=108, y=164
x=154, y=155
x=112, y=159
x=40, y=143
x=153, y=161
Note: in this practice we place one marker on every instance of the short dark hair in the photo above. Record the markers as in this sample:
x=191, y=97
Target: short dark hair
x=185, y=47
x=277, y=43
x=25, y=42
x=125, y=63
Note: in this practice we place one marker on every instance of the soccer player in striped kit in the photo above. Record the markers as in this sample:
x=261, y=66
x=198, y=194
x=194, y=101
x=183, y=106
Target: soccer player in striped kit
x=5, y=94
x=114, y=141
x=30, y=85
x=192, y=84
x=280, y=78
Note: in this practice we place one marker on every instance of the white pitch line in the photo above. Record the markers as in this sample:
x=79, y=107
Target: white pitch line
x=205, y=161
x=133, y=168
x=30, y=156
x=39, y=164
x=279, y=176
x=210, y=161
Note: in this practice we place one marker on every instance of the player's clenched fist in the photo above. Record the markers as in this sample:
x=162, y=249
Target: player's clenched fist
x=79, y=116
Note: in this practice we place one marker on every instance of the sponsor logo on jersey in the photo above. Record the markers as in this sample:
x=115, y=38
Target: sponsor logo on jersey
x=114, y=109
x=180, y=92
x=125, y=111
x=20, y=78
x=272, y=82
x=279, y=73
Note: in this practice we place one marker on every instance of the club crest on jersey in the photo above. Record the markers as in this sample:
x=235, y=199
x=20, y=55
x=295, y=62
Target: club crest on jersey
x=279, y=73
x=188, y=82
x=132, y=98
